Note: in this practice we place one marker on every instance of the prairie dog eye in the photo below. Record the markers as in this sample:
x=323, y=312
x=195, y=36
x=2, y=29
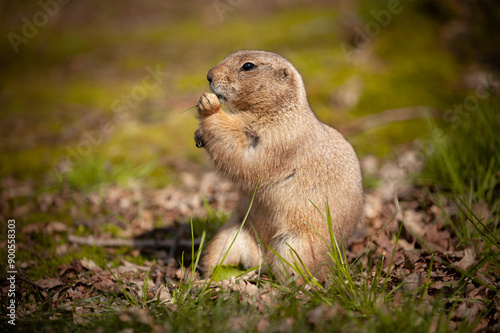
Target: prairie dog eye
x=248, y=66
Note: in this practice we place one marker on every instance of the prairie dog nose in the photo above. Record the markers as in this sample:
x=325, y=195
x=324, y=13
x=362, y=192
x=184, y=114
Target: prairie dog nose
x=210, y=76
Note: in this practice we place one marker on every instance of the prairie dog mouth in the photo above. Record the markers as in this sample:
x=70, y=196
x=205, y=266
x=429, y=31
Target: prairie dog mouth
x=221, y=97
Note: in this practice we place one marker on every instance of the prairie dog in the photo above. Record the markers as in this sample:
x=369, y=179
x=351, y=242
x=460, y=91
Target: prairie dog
x=271, y=135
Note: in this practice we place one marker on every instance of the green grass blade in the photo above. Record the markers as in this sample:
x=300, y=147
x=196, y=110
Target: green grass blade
x=191, y=108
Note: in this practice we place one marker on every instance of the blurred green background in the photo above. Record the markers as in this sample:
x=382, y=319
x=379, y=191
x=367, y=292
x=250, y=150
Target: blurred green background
x=68, y=71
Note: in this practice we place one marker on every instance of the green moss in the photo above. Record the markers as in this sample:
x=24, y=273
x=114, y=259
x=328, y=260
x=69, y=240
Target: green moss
x=408, y=80
x=95, y=171
x=138, y=260
x=383, y=140
x=96, y=253
x=82, y=230
x=112, y=229
x=370, y=182
x=309, y=36
x=32, y=163
x=38, y=217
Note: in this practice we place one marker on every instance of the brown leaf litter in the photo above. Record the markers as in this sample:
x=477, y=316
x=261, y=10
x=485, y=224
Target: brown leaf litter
x=426, y=255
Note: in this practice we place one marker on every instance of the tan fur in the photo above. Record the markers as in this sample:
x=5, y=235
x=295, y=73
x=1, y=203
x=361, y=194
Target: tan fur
x=272, y=134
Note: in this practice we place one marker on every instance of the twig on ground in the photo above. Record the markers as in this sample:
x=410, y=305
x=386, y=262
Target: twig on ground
x=31, y=283
x=387, y=117
x=136, y=243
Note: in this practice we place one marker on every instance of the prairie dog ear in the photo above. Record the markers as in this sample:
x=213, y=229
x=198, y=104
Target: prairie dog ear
x=285, y=73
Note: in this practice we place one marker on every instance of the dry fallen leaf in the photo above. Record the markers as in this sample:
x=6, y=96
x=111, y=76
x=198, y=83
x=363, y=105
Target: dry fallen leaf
x=32, y=228
x=163, y=294
x=412, y=281
x=90, y=265
x=106, y=285
x=438, y=240
x=56, y=226
x=49, y=283
x=414, y=222
x=467, y=260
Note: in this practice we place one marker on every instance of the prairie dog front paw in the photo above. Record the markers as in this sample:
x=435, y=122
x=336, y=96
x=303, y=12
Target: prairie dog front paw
x=198, y=138
x=208, y=104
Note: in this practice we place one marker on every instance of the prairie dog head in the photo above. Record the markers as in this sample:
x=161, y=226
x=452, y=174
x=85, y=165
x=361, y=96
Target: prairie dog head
x=257, y=81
